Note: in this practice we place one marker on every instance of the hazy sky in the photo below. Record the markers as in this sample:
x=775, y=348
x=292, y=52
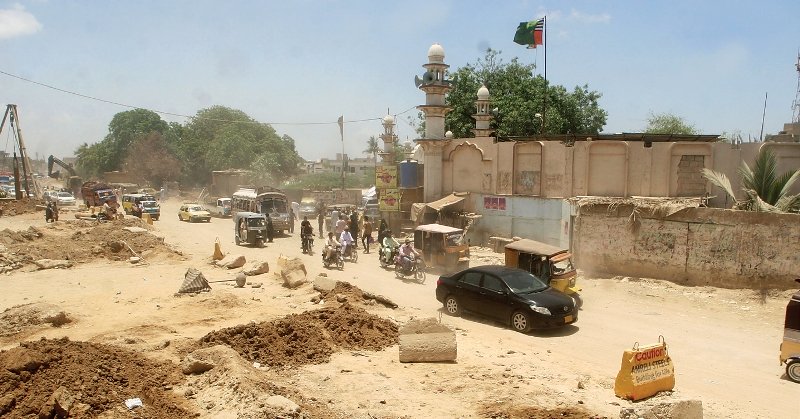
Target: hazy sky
x=297, y=63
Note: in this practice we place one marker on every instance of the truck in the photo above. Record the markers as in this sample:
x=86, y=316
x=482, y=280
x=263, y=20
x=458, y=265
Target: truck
x=95, y=194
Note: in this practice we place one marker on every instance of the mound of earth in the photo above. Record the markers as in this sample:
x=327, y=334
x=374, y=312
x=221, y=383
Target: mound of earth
x=62, y=378
x=505, y=411
x=17, y=207
x=78, y=241
x=306, y=338
x=19, y=318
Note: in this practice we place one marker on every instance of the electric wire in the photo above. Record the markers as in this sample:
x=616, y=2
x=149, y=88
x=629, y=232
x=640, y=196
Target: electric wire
x=124, y=105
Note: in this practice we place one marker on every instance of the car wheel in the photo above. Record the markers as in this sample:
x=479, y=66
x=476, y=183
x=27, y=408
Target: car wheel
x=793, y=370
x=340, y=264
x=236, y=239
x=354, y=255
x=452, y=306
x=155, y=218
x=521, y=322
x=180, y=218
x=398, y=270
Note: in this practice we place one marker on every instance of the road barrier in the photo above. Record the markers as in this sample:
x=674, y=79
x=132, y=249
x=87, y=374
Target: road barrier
x=645, y=371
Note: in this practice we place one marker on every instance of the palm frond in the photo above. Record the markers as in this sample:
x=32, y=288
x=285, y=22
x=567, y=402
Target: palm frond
x=785, y=182
x=721, y=181
x=788, y=203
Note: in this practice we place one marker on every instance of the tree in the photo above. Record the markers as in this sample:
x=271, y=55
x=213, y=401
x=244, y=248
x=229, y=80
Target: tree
x=518, y=95
x=124, y=128
x=667, y=123
x=373, y=148
x=763, y=188
x=150, y=161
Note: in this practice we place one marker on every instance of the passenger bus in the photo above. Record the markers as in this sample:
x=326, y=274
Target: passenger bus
x=263, y=200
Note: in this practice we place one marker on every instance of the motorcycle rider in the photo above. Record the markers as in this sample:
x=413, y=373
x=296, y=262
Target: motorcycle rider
x=346, y=239
x=330, y=245
x=389, y=244
x=306, y=233
x=408, y=254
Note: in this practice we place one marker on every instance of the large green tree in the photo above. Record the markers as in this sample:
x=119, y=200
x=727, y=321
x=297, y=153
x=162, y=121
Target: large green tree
x=668, y=123
x=124, y=128
x=519, y=95
x=220, y=138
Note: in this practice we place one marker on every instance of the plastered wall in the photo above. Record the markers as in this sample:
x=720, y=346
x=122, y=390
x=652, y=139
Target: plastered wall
x=696, y=246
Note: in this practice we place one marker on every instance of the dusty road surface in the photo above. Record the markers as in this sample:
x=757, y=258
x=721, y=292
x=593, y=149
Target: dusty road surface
x=342, y=362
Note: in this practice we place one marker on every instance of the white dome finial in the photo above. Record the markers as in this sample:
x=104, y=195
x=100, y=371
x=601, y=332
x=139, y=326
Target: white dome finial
x=436, y=54
x=483, y=92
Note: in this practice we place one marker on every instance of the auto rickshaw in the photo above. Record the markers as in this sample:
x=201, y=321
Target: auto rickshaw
x=551, y=264
x=442, y=246
x=790, y=347
x=249, y=228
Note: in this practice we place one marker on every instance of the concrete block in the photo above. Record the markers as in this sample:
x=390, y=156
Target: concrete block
x=324, y=284
x=232, y=261
x=672, y=409
x=426, y=340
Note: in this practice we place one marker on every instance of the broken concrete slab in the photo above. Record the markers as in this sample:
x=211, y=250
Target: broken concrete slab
x=664, y=409
x=193, y=364
x=232, y=261
x=427, y=340
x=135, y=229
x=324, y=284
x=256, y=268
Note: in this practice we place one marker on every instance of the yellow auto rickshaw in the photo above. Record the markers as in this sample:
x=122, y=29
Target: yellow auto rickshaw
x=790, y=347
x=551, y=264
x=442, y=246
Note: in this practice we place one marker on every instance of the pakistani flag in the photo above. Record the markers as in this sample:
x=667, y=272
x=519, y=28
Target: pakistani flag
x=530, y=33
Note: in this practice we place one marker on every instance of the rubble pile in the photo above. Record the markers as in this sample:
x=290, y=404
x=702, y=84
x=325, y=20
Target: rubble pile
x=78, y=241
x=62, y=378
x=22, y=206
x=306, y=338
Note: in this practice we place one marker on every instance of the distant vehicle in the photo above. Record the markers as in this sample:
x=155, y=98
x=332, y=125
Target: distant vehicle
x=65, y=199
x=95, y=194
x=249, y=228
x=131, y=199
x=263, y=200
x=308, y=208
x=509, y=295
x=220, y=208
x=193, y=213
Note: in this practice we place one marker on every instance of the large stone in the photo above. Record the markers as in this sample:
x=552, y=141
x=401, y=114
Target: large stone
x=52, y=263
x=427, y=340
x=194, y=364
x=232, y=261
x=135, y=229
x=256, y=268
x=292, y=271
x=286, y=406
x=661, y=409
x=324, y=284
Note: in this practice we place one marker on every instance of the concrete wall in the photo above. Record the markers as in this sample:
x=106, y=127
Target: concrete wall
x=696, y=246
x=542, y=219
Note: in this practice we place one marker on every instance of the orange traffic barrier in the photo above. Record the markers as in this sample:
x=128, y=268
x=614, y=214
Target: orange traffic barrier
x=645, y=371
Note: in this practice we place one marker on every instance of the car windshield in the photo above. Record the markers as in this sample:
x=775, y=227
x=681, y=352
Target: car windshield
x=522, y=282
x=149, y=204
x=196, y=208
x=563, y=266
x=65, y=195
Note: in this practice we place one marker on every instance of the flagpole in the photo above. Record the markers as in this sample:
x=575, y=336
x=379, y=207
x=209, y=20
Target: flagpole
x=544, y=110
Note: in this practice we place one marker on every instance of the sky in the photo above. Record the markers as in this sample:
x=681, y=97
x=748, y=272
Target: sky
x=300, y=64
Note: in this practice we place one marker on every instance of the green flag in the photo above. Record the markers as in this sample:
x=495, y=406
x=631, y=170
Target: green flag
x=529, y=33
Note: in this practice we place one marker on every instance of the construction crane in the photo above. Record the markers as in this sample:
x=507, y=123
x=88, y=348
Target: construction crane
x=27, y=182
x=73, y=183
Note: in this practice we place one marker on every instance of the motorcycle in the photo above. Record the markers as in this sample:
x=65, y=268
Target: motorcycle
x=351, y=253
x=384, y=260
x=335, y=258
x=307, y=243
x=415, y=268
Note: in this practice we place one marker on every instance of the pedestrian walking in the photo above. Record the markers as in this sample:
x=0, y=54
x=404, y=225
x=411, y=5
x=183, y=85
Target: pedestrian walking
x=320, y=220
x=366, y=235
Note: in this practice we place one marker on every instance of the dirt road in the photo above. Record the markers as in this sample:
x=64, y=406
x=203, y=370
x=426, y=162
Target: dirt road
x=724, y=343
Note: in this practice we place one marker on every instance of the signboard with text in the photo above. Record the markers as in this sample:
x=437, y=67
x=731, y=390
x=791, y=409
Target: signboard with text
x=644, y=372
x=389, y=200
x=386, y=177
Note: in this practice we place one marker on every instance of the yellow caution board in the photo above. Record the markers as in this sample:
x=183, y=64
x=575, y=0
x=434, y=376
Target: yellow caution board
x=645, y=371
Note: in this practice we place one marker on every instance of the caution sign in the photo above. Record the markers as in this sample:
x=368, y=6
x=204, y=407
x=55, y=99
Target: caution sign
x=645, y=371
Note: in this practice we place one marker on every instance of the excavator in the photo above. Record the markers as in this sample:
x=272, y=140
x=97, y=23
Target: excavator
x=73, y=183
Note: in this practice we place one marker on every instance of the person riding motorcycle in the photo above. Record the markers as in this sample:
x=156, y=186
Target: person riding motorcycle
x=346, y=239
x=330, y=246
x=306, y=234
x=407, y=255
x=388, y=246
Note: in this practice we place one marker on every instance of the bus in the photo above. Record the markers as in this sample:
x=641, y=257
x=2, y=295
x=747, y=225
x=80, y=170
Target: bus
x=263, y=200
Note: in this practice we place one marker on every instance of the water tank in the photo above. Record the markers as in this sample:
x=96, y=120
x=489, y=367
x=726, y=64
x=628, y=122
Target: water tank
x=408, y=174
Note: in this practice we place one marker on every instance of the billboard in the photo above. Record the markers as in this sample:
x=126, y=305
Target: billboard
x=386, y=176
x=389, y=200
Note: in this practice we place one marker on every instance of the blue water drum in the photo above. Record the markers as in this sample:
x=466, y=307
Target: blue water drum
x=408, y=174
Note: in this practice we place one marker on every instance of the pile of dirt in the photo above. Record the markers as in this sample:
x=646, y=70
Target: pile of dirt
x=24, y=317
x=61, y=378
x=17, y=207
x=306, y=338
x=349, y=291
x=78, y=241
x=505, y=411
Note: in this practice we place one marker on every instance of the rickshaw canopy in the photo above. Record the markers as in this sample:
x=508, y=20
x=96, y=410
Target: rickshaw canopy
x=534, y=247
